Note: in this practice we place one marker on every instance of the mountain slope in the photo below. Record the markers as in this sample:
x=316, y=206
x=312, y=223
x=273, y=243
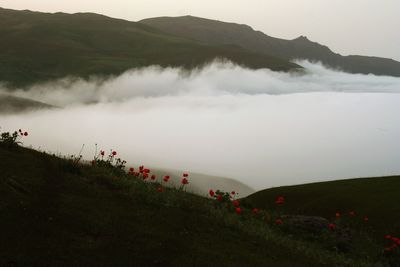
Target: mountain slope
x=58, y=213
x=38, y=46
x=217, y=33
x=12, y=104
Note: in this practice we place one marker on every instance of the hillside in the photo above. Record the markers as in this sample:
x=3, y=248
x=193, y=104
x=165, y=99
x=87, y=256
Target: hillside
x=57, y=212
x=38, y=47
x=376, y=198
x=213, y=32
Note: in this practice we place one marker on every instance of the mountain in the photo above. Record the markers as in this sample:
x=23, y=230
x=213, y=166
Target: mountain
x=213, y=32
x=38, y=47
x=12, y=104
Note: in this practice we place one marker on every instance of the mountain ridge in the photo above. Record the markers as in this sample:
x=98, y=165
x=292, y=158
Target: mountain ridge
x=210, y=31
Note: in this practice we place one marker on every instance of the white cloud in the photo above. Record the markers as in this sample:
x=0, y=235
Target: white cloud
x=228, y=121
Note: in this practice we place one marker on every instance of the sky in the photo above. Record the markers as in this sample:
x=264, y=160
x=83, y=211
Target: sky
x=363, y=27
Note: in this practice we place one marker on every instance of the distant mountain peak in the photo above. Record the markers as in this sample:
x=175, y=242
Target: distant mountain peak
x=301, y=38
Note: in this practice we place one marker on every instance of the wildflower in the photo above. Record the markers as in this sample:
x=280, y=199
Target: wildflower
x=280, y=200
x=278, y=221
x=255, y=211
x=233, y=193
x=153, y=177
x=185, y=175
x=236, y=203
x=160, y=189
x=146, y=170
x=141, y=168
x=132, y=169
x=114, y=153
x=332, y=226
x=184, y=181
x=338, y=215
x=102, y=153
x=166, y=178
x=219, y=197
x=238, y=210
x=211, y=192
x=145, y=176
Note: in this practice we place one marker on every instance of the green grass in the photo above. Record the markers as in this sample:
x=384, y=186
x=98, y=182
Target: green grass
x=376, y=198
x=56, y=213
x=38, y=47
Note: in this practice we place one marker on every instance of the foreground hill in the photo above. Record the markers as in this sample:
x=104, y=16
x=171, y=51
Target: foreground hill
x=38, y=47
x=376, y=198
x=56, y=212
x=215, y=32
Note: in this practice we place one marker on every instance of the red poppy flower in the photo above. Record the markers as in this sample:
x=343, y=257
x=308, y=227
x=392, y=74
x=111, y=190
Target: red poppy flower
x=211, y=192
x=102, y=152
x=185, y=175
x=160, y=189
x=366, y=219
x=166, y=178
x=332, y=226
x=255, y=211
x=337, y=214
x=25, y=133
x=141, y=168
x=132, y=169
x=219, y=197
x=233, y=193
x=352, y=213
x=236, y=203
x=388, y=236
x=278, y=221
x=153, y=177
x=146, y=170
x=238, y=210
x=280, y=200
x=114, y=153
x=137, y=174
x=184, y=181
x=145, y=176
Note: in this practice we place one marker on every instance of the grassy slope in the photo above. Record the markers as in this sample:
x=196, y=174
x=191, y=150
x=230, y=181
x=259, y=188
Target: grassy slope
x=55, y=213
x=377, y=198
x=41, y=46
x=218, y=32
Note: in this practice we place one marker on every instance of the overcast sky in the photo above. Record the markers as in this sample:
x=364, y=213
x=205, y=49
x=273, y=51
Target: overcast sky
x=366, y=27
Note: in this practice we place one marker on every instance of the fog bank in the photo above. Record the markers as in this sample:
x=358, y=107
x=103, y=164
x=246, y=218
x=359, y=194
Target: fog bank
x=260, y=127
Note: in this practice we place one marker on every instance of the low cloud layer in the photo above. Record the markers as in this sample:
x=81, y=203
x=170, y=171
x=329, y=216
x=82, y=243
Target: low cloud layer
x=260, y=127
